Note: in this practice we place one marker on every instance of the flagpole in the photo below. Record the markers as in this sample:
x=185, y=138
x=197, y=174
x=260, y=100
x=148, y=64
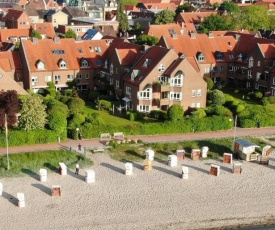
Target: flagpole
x=7, y=141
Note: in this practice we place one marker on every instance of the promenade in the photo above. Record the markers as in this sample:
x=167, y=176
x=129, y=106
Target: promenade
x=95, y=142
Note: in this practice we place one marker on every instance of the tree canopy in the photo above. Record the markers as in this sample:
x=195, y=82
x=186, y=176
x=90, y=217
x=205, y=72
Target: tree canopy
x=216, y=22
x=230, y=7
x=186, y=7
x=121, y=17
x=146, y=39
x=33, y=112
x=70, y=34
x=36, y=34
x=175, y=112
x=164, y=17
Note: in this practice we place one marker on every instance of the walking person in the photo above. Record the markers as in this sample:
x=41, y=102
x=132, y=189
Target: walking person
x=76, y=169
x=79, y=147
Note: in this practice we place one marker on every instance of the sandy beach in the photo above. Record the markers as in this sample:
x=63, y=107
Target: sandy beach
x=159, y=199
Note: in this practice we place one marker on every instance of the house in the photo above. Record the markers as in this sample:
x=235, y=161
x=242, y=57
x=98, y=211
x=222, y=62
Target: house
x=16, y=19
x=45, y=29
x=57, y=18
x=160, y=78
x=74, y=12
x=61, y=60
x=10, y=37
x=43, y=5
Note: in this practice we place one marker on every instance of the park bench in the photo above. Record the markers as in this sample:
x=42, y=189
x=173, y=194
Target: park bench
x=105, y=136
x=118, y=136
x=98, y=149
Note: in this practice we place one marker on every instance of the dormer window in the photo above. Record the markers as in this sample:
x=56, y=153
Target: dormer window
x=106, y=64
x=161, y=68
x=111, y=69
x=250, y=62
x=146, y=62
x=40, y=65
x=240, y=57
x=84, y=63
x=219, y=56
x=133, y=76
x=62, y=64
x=200, y=56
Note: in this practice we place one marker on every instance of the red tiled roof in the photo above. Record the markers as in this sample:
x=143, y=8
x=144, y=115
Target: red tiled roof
x=268, y=50
x=69, y=50
x=6, y=33
x=163, y=29
x=196, y=17
x=44, y=28
x=127, y=56
x=10, y=61
x=164, y=6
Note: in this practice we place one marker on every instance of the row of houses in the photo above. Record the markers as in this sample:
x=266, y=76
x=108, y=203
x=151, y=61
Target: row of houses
x=147, y=78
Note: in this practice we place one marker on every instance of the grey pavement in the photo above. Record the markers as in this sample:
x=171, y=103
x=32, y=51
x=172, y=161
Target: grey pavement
x=95, y=142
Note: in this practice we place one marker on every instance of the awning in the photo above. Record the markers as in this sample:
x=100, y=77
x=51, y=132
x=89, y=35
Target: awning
x=126, y=99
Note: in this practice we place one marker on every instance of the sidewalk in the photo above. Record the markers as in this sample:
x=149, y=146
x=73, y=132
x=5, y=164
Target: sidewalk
x=95, y=142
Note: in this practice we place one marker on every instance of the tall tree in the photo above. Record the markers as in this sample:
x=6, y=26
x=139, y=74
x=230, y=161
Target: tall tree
x=33, y=112
x=230, y=7
x=186, y=7
x=164, y=17
x=10, y=105
x=121, y=17
x=215, y=22
x=146, y=39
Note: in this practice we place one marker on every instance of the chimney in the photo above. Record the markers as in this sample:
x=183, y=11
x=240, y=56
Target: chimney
x=210, y=35
x=192, y=34
x=237, y=37
x=56, y=40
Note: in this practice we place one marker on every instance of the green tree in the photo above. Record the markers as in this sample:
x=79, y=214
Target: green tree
x=230, y=7
x=121, y=17
x=130, y=2
x=36, y=34
x=164, y=17
x=175, y=112
x=216, y=22
x=186, y=7
x=75, y=105
x=70, y=34
x=33, y=112
x=146, y=39
x=254, y=18
x=217, y=97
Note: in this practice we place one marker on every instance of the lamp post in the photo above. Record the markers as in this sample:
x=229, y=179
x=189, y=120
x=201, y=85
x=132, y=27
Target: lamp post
x=235, y=127
x=7, y=141
x=77, y=130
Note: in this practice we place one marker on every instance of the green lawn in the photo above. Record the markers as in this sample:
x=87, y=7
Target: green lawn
x=217, y=147
x=107, y=117
x=30, y=163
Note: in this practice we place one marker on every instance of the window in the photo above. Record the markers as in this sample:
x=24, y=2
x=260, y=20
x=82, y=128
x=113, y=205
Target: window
x=219, y=56
x=40, y=65
x=215, y=69
x=146, y=62
x=111, y=81
x=198, y=105
x=145, y=95
x=207, y=70
x=111, y=69
x=84, y=64
x=198, y=92
x=177, y=80
x=98, y=62
x=250, y=62
x=175, y=96
x=231, y=68
x=117, y=84
x=259, y=63
x=162, y=79
x=87, y=76
x=62, y=64
x=143, y=108
x=79, y=76
x=126, y=70
x=221, y=69
x=80, y=50
x=98, y=49
x=256, y=86
x=249, y=74
x=70, y=77
x=161, y=68
x=272, y=91
x=34, y=79
x=193, y=105
x=201, y=57
x=133, y=76
x=128, y=90
x=258, y=76
x=194, y=93
x=240, y=57
x=231, y=56
x=273, y=81
x=57, y=78
x=48, y=78
x=248, y=84
x=54, y=20
x=164, y=95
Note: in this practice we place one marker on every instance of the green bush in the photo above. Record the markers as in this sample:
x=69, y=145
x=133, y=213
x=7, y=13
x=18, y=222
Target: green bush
x=217, y=97
x=94, y=118
x=265, y=101
x=210, y=83
x=200, y=113
x=132, y=116
x=76, y=121
x=93, y=95
x=104, y=105
x=258, y=95
x=75, y=105
x=175, y=112
x=271, y=99
x=240, y=108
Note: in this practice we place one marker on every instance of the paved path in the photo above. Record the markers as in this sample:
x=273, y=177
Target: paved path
x=95, y=142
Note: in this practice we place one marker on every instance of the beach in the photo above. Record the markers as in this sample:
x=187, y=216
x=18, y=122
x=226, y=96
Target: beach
x=159, y=199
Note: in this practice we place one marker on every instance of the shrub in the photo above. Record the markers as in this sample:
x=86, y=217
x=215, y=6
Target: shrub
x=94, y=118
x=210, y=83
x=265, y=101
x=76, y=121
x=175, y=112
x=104, y=105
x=132, y=116
x=217, y=97
x=200, y=113
x=75, y=105
x=93, y=95
x=271, y=99
x=240, y=108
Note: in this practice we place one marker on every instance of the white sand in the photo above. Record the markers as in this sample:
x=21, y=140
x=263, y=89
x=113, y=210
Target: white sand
x=159, y=199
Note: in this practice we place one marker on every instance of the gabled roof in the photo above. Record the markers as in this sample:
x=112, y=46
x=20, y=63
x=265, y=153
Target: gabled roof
x=12, y=14
x=169, y=29
x=10, y=61
x=71, y=51
x=44, y=28
x=159, y=6
x=127, y=56
x=196, y=17
x=5, y=34
x=7, y=83
x=74, y=11
x=268, y=50
x=90, y=33
x=39, y=4
x=151, y=58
